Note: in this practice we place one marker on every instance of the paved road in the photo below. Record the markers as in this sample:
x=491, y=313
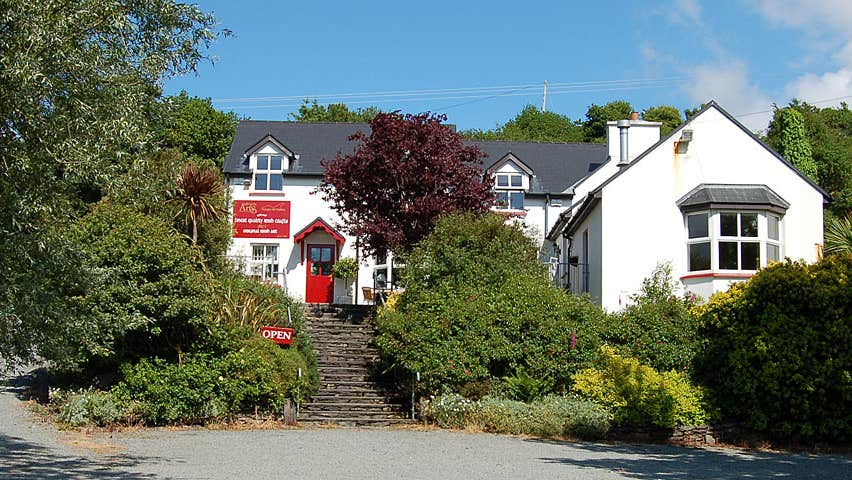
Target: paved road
x=32, y=450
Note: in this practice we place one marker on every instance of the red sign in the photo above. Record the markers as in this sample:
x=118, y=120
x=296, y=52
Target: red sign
x=254, y=219
x=281, y=336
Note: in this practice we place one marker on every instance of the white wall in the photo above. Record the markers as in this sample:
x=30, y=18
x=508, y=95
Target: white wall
x=643, y=225
x=304, y=209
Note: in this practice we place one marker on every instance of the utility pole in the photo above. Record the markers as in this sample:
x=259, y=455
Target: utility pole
x=544, y=98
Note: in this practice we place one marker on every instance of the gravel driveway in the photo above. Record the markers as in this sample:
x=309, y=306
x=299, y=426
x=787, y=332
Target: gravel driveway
x=32, y=450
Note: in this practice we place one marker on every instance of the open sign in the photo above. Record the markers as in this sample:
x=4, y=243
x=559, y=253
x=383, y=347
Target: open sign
x=281, y=336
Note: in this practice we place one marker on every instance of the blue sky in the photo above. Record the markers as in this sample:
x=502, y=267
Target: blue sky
x=480, y=62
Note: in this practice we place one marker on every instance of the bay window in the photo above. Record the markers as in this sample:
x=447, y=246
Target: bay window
x=732, y=240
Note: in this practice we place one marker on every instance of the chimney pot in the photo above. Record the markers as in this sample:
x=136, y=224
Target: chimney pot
x=634, y=116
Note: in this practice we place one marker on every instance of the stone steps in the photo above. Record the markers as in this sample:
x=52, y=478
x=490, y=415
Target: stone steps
x=350, y=391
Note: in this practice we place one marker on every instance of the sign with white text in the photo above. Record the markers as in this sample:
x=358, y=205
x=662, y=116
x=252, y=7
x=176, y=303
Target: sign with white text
x=256, y=219
x=281, y=336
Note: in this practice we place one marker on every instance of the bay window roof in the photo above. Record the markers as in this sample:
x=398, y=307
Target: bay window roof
x=739, y=197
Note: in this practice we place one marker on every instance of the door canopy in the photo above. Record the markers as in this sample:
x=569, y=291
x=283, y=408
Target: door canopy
x=316, y=226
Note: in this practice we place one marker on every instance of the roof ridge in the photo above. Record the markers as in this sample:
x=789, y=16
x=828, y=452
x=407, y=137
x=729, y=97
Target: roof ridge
x=296, y=122
x=537, y=142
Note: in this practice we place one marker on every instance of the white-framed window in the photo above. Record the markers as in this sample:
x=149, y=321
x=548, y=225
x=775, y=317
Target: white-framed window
x=509, y=190
x=268, y=172
x=732, y=240
x=264, y=262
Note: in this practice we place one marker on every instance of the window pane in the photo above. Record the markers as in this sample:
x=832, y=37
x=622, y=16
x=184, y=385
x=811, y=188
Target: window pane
x=502, y=180
x=262, y=162
x=751, y=255
x=728, y=255
x=748, y=224
x=773, y=253
x=517, y=201
x=516, y=180
x=275, y=162
x=772, y=222
x=699, y=256
x=260, y=181
x=326, y=255
x=696, y=225
x=272, y=252
x=502, y=199
x=256, y=252
x=276, y=181
x=326, y=268
x=315, y=254
x=728, y=224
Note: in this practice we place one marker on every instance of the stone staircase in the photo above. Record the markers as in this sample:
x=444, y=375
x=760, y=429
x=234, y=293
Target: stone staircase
x=351, y=392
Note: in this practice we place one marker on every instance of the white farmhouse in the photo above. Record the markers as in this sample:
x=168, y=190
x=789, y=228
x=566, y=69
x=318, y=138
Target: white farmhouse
x=710, y=197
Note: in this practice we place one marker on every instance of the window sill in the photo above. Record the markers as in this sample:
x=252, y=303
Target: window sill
x=259, y=193
x=718, y=275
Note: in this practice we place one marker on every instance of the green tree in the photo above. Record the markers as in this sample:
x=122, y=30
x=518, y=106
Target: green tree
x=691, y=112
x=594, y=127
x=80, y=82
x=793, y=142
x=197, y=129
x=311, y=111
x=829, y=132
x=531, y=124
x=668, y=115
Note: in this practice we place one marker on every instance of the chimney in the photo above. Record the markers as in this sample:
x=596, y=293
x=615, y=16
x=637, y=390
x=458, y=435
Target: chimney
x=623, y=125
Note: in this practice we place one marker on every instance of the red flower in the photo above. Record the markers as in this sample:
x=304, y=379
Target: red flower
x=467, y=372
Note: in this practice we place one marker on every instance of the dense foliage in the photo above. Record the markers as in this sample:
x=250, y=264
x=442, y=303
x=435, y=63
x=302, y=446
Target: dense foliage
x=829, y=133
x=637, y=394
x=777, y=350
x=194, y=127
x=311, y=111
x=549, y=416
x=478, y=306
x=531, y=124
x=657, y=327
x=80, y=85
x=259, y=375
x=401, y=177
x=793, y=144
x=148, y=296
x=669, y=116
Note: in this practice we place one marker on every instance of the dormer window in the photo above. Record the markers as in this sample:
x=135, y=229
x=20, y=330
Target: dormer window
x=268, y=175
x=509, y=191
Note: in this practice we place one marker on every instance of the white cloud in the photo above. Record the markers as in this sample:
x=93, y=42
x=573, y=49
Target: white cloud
x=728, y=84
x=826, y=23
x=830, y=85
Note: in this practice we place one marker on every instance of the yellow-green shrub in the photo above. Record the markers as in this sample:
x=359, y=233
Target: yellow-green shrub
x=637, y=394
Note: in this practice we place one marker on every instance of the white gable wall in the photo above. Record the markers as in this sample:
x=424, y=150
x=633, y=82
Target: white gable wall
x=642, y=225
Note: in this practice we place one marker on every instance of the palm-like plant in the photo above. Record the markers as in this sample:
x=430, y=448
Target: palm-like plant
x=838, y=235
x=197, y=195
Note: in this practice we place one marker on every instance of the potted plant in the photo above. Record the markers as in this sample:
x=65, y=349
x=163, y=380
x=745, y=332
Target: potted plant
x=346, y=269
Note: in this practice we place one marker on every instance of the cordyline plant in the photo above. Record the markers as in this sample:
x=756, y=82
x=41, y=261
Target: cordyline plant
x=197, y=196
x=407, y=172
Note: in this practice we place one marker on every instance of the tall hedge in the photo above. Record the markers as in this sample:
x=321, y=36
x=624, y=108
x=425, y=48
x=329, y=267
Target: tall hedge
x=778, y=351
x=479, y=306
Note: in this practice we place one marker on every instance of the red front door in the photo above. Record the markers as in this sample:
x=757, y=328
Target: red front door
x=319, y=287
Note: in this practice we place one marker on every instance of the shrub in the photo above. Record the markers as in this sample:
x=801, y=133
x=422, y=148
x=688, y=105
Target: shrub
x=257, y=376
x=151, y=298
x=526, y=388
x=638, y=395
x=478, y=305
x=249, y=304
x=88, y=407
x=777, y=350
x=168, y=393
x=657, y=328
x=345, y=269
x=549, y=416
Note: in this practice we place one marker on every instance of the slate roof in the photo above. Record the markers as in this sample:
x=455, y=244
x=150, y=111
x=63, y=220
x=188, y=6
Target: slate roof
x=721, y=196
x=556, y=166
